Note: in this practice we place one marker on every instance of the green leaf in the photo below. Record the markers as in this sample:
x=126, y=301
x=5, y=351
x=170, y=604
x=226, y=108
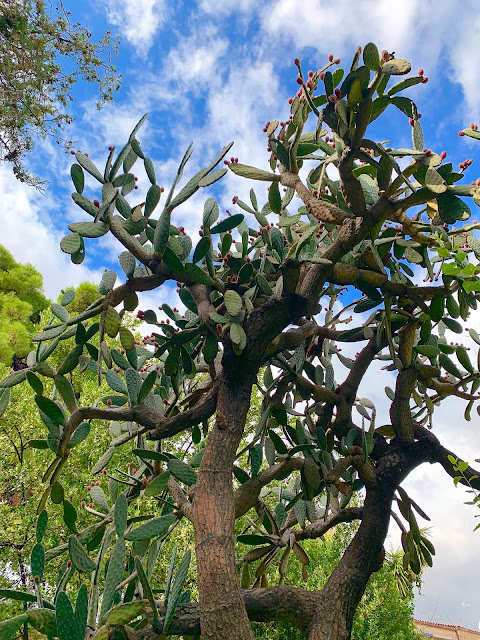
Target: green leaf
x=210, y=212
x=252, y=173
x=464, y=358
x=189, y=189
x=71, y=243
x=71, y=360
x=229, y=223
x=182, y=471
x=162, y=233
x=89, y=229
x=152, y=199
x=274, y=198
x=81, y=613
x=98, y=496
x=210, y=348
x=147, y=386
x=396, y=67
x=434, y=181
x=85, y=204
x=69, y=515
x=120, y=514
x=107, y=282
x=64, y=616
x=42, y=522
x=114, y=576
x=474, y=335
x=51, y=409
x=103, y=460
x=452, y=208
x=148, y=592
x=197, y=274
x=212, y=177
x=13, y=594
x=147, y=454
x=125, y=612
x=233, y=302
x=278, y=443
x=447, y=364
x=127, y=262
x=9, y=628
x=134, y=384
x=404, y=84
x=371, y=56
x=437, y=307
x=115, y=382
x=202, y=249
x=453, y=325
x=68, y=297
x=127, y=339
x=80, y=434
x=48, y=334
x=176, y=589
x=78, y=177
x=57, y=493
x=428, y=350
x=150, y=170
x=35, y=383
x=13, y=378
x=85, y=162
x=238, y=336
x=417, y=136
x=37, y=561
x=151, y=529
x=157, y=485
x=119, y=161
x=80, y=560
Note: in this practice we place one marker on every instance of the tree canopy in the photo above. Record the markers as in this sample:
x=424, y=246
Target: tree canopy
x=297, y=300
x=21, y=300
x=42, y=55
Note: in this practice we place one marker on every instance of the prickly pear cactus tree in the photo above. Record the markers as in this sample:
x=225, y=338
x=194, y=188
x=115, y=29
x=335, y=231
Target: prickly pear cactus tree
x=274, y=293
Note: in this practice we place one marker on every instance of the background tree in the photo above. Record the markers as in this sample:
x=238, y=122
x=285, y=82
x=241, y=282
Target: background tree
x=38, y=44
x=385, y=611
x=21, y=300
x=254, y=321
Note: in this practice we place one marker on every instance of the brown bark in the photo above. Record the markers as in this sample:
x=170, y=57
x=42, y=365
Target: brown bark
x=344, y=589
x=277, y=604
x=222, y=609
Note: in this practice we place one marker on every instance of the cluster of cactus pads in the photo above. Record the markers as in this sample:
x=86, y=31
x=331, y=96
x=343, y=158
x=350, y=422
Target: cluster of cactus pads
x=242, y=262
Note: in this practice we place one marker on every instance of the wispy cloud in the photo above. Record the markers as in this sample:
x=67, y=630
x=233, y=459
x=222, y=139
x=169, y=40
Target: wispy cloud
x=425, y=32
x=196, y=58
x=28, y=232
x=138, y=21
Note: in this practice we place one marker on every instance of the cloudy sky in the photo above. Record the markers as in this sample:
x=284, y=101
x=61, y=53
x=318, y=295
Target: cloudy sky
x=215, y=71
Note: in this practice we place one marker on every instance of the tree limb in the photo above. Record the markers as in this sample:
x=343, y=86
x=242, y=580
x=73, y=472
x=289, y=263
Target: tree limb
x=322, y=210
x=246, y=496
x=440, y=454
x=280, y=603
x=320, y=527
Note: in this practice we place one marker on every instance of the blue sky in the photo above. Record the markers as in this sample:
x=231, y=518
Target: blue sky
x=211, y=72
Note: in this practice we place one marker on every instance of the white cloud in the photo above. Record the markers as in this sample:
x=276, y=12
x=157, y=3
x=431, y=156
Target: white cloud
x=465, y=59
x=110, y=126
x=226, y=7
x=138, y=20
x=314, y=23
x=29, y=234
x=421, y=31
x=196, y=58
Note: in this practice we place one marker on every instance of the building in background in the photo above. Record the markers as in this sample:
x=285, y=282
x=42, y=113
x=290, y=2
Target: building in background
x=445, y=631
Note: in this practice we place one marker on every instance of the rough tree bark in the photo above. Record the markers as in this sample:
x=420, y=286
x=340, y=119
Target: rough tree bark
x=222, y=609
